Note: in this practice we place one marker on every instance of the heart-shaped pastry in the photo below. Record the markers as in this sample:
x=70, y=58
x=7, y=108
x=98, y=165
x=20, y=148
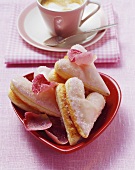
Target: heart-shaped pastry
x=83, y=111
x=44, y=102
x=21, y=104
x=72, y=133
x=49, y=73
x=87, y=73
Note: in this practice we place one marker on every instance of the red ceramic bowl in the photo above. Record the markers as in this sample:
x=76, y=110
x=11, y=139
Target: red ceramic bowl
x=108, y=114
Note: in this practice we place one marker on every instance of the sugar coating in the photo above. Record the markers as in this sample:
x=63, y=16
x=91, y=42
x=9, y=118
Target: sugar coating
x=86, y=111
x=97, y=100
x=75, y=88
x=85, y=114
x=88, y=74
x=46, y=100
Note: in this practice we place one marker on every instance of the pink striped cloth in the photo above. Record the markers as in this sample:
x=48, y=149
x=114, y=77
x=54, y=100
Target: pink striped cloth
x=20, y=52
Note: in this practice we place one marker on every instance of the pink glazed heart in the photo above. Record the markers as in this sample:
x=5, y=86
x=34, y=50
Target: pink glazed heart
x=64, y=21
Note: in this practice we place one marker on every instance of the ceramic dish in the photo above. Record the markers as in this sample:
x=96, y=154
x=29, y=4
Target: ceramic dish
x=108, y=114
x=34, y=31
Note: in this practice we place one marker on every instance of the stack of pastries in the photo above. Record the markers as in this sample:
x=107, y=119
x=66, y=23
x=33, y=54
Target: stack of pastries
x=67, y=98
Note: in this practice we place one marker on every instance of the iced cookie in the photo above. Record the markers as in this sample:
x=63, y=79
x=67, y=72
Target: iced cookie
x=72, y=133
x=43, y=102
x=83, y=111
x=53, y=76
x=81, y=64
x=18, y=102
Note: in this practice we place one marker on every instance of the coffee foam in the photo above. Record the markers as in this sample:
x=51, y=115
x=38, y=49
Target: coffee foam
x=61, y=5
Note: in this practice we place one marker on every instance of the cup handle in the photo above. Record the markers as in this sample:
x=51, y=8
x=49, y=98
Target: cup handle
x=91, y=14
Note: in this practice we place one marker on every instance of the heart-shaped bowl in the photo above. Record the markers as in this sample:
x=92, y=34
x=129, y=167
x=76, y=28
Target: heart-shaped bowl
x=109, y=112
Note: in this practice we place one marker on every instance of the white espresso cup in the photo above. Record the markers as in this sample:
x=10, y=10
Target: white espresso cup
x=64, y=19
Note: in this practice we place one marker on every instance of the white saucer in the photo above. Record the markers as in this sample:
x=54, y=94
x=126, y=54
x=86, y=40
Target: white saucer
x=33, y=30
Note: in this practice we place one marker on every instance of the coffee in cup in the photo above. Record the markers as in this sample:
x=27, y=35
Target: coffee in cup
x=63, y=17
x=61, y=5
